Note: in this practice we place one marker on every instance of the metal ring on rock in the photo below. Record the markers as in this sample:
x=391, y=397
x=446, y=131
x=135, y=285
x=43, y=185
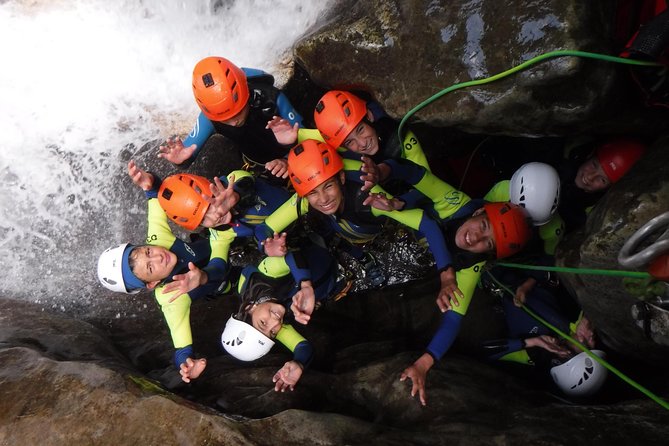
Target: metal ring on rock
x=628, y=259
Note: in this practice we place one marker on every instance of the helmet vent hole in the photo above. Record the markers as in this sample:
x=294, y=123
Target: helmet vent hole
x=167, y=194
x=207, y=80
x=320, y=106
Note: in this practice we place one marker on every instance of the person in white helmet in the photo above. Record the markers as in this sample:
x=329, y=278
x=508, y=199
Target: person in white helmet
x=176, y=271
x=281, y=289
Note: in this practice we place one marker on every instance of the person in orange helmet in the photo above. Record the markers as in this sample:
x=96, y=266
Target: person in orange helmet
x=236, y=103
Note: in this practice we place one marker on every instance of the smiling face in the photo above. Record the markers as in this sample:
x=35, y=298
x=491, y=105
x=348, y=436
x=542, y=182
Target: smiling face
x=363, y=139
x=151, y=264
x=590, y=176
x=267, y=318
x=328, y=196
x=476, y=234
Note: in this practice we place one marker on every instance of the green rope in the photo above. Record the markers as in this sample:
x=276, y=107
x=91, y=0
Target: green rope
x=522, y=66
x=591, y=271
x=603, y=362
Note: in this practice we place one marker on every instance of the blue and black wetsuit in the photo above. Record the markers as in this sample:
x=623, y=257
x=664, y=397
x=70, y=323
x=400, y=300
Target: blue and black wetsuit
x=257, y=144
x=285, y=275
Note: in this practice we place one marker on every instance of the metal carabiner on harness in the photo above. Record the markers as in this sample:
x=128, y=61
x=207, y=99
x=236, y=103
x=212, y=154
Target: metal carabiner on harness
x=626, y=257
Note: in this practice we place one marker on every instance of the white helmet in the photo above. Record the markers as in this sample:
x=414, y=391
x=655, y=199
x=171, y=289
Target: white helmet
x=536, y=187
x=243, y=341
x=110, y=270
x=580, y=376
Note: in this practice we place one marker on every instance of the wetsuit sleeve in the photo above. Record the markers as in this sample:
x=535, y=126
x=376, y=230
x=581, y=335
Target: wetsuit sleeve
x=159, y=232
x=304, y=134
x=499, y=192
x=504, y=349
x=302, y=349
x=298, y=266
x=412, y=150
x=201, y=132
x=551, y=233
x=274, y=267
x=450, y=323
x=286, y=110
x=177, y=316
x=220, y=242
x=447, y=199
x=280, y=219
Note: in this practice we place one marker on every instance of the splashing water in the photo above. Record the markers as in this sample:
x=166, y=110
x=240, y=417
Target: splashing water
x=84, y=81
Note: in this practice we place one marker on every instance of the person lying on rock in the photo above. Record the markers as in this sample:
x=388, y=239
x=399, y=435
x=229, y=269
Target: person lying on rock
x=236, y=103
x=178, y=272
x=282, y=288
x=529, y=342
x=475, y=233
x=329, y=188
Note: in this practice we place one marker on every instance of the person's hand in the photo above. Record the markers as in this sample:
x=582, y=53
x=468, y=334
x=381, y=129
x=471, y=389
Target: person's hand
x=522, y=291
x=186, y=282
x=222, y=196
x=287, y=376
x=304, y=302
x=284, y=133
x=548, y=343
x=381, y=202
x=417, y=372
x=449, y=293
x=585, y=333
x=191, y=369
x=139, y=177
x=278, y=167
x=275, y=246
x=173, y=150
x=370, y=177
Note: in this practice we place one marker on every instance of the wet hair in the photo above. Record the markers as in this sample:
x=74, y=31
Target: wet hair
x=255, y=293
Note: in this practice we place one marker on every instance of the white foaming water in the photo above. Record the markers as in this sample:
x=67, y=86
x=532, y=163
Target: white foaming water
x=81, y=81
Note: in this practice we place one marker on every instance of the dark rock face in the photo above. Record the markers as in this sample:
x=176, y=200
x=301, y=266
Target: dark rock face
x=403, y=52
x=90, y=395
x=628, y=205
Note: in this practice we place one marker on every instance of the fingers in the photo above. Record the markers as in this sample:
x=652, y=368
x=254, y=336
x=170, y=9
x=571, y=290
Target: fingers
x=421, y=394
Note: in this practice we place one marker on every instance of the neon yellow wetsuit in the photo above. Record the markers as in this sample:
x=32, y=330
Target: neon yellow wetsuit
x=209, y=255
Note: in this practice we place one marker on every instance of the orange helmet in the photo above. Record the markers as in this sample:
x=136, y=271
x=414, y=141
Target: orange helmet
x=337, y=114
x=180, y=196
x=311, y=164
x=220, y=88
x=618, y=156
x=511, y=226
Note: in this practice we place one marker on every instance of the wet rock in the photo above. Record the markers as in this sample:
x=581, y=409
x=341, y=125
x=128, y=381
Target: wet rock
x=405, y=52
x=639, y=196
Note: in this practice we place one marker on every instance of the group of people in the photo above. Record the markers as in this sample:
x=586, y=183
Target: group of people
x=348, y=176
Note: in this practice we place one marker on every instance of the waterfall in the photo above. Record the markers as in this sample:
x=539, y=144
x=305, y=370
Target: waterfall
x=85, y=81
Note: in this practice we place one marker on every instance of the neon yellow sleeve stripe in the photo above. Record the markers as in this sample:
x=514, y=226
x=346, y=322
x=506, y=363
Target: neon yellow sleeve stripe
x=286, y=214
x=159, y=232
x=413, y=151
x=447, y=199
x=499, y=192
x=304, y=134
x=220, y=242
x=289, y=337
x=551, y=233
x=520, y=356
x=177, y=316
x=467, y=279
x=274, y=267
